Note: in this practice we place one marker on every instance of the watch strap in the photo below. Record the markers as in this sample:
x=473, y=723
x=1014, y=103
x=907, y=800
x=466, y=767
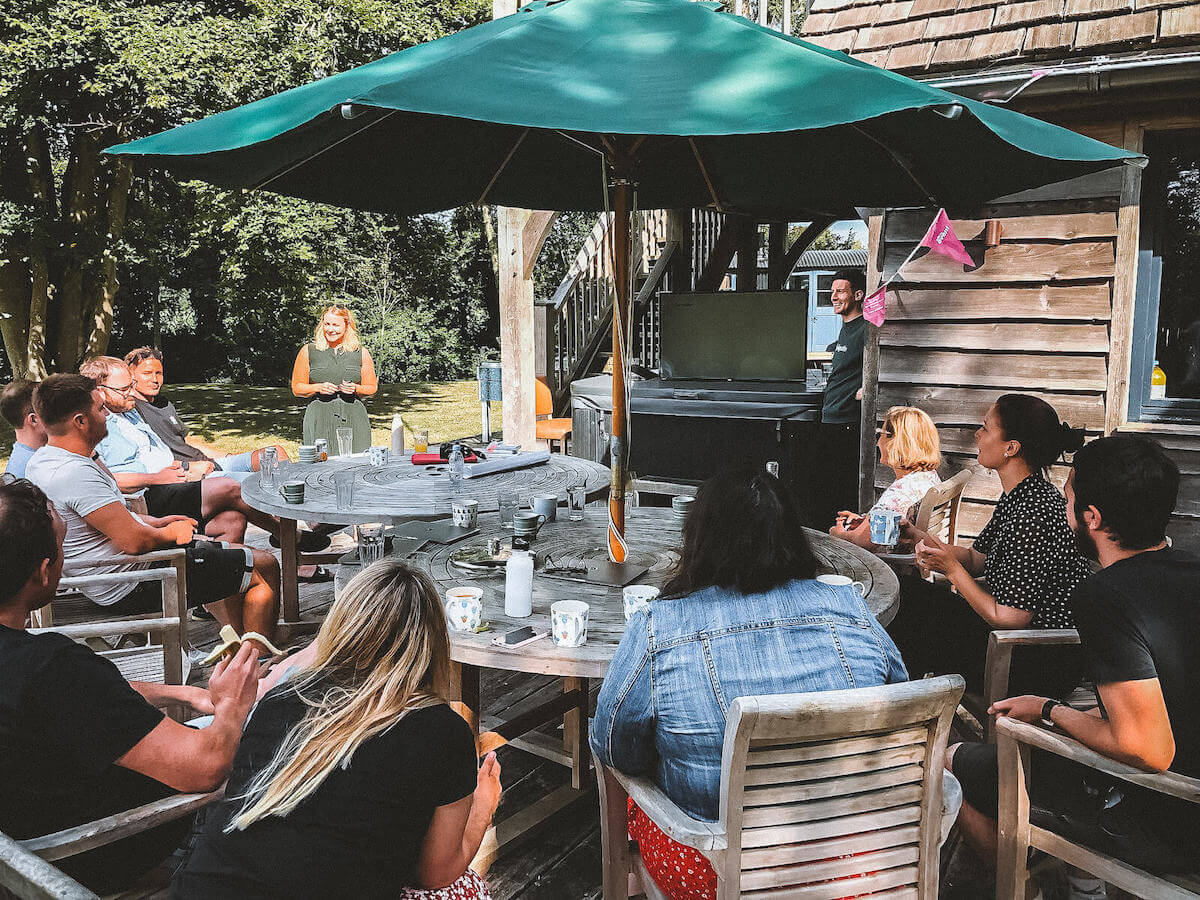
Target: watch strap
x=1047, y=709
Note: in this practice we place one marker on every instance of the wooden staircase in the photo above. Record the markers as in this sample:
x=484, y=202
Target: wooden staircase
x=668, y=247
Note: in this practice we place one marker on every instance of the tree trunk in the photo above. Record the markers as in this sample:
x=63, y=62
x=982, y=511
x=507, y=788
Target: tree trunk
x=105, y=290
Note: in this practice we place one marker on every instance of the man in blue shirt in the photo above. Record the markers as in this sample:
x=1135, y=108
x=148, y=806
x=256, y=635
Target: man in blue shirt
x=16, y=405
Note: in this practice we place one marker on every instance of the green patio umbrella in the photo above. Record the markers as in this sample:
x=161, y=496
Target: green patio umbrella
x=568, y=103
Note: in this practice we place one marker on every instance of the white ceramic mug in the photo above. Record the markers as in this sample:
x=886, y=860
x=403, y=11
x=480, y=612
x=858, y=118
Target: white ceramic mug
x=466, y=513
x=546, y=505
x=464, y=608
x=842, y=581
x=569, y=623
x=637, y=596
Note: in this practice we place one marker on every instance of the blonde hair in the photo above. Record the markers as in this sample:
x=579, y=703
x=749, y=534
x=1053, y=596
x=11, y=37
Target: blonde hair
x=914, y=442
x=100, y=367
x=349, y=339
x=382, y=651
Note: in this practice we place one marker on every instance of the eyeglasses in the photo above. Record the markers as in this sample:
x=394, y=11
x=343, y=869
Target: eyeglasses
x=122, y=392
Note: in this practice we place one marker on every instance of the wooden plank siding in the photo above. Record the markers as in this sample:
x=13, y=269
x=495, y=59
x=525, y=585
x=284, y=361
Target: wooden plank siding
x=1032, y=316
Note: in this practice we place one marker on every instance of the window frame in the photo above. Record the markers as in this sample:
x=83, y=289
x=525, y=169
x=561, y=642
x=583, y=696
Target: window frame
x=1144, y=334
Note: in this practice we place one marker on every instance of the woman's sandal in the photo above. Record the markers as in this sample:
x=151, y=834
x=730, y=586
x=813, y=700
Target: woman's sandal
x=319, y=575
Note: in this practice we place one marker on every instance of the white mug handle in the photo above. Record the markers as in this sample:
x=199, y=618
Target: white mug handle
x=862, y=588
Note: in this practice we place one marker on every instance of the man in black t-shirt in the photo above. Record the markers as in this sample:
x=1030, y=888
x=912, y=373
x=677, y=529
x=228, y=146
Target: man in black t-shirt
x=833, y=462
x=1139, y=629
x=78, y=742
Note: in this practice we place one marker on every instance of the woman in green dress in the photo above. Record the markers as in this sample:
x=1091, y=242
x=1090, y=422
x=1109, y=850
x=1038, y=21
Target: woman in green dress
x=335, y=370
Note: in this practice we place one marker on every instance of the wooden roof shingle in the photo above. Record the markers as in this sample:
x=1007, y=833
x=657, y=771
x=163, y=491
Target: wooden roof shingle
x=940, y=36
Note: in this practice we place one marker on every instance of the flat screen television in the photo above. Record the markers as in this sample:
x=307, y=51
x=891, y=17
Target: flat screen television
x=731, y=336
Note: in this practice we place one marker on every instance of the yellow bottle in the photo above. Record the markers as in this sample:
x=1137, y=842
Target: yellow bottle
x=1158, y=383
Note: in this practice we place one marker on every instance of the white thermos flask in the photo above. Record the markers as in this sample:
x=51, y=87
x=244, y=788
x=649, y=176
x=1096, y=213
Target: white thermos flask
x=397, y=436
x=518, y=585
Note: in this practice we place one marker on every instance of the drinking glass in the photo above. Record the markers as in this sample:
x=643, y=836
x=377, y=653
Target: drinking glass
x=421, y=440
x=509, y=503
x=370, y=544
x=576, y=501
x=345, y=441
x=343, y=489
x=267, y=464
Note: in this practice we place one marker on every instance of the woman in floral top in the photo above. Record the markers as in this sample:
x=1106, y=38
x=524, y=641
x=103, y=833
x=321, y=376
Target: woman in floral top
x=908, y=445
x=1026, y=557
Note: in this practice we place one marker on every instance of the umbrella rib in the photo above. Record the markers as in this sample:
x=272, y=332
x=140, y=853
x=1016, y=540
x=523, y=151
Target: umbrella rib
x=584, y=144
x=898, y=160
x=503, y=165
x=704, y=171
x=287, y=169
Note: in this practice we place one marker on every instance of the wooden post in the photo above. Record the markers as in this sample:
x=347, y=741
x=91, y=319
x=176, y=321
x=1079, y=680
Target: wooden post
x=517, y=332
x=747, y=256
x=1116, y=412
x=870, y=388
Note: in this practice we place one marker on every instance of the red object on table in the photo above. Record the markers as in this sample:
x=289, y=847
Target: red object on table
x=432, y=459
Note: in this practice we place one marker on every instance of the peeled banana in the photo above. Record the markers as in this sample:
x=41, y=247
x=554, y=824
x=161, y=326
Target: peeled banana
x=230, y=643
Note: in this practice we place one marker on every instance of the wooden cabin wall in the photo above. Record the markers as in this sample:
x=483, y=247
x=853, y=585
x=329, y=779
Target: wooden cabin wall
x=1032, y=317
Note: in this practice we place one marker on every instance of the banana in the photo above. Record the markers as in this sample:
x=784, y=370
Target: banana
x=230, y=643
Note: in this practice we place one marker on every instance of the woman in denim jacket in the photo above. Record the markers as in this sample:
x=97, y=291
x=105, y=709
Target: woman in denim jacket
x=742, y=616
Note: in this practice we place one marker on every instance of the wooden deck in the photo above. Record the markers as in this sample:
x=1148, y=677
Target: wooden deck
x=561, y=860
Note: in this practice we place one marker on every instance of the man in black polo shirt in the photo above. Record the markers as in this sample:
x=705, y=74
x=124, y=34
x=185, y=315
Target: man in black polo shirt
x=1139, y=630
x=833, y=469
x=77, y=741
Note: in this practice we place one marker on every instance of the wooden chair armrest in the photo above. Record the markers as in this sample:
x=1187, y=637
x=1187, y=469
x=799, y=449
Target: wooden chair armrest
x=678, y=825
x=171, y=554
x=135, y=576
x=90, y=835
x=1169, y=783
x=1031, y=637
x=111, y=627
x=32, y=878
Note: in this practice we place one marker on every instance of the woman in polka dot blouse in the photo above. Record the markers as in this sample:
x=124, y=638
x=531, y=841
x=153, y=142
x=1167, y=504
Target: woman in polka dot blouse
x=1026, y=557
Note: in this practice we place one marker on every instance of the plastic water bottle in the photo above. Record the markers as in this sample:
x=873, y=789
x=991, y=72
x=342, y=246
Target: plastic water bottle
x=457, y=467
x=518, y=585
x=397, y=436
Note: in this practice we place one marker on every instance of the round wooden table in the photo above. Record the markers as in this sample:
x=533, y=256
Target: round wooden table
x=400, y=492
x=653, y=539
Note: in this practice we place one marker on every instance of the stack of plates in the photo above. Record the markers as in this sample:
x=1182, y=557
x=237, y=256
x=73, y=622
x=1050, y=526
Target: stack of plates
x=679, y=507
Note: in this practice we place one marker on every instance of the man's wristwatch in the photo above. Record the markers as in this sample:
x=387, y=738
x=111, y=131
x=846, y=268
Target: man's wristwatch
x=1047, y=708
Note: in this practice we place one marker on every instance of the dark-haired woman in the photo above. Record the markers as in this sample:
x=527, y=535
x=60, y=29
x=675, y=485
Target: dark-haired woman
x=1026, y=556
x=742, y=616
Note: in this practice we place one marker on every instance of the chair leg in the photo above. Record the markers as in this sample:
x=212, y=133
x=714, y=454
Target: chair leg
x=1012, y=855
x=614, y=835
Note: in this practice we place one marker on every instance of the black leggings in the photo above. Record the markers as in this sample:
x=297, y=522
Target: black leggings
x=938, y=632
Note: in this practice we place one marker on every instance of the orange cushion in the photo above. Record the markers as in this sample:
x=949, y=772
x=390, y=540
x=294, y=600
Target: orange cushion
x=553, y=429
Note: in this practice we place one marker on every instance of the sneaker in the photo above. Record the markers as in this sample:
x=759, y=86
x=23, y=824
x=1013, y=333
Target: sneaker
x=200, y=614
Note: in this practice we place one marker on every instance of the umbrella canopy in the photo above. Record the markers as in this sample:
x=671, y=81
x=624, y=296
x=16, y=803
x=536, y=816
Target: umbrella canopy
x=724, y=110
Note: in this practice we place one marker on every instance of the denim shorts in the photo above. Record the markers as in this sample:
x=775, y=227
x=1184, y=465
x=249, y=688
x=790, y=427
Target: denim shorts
x=239, y=462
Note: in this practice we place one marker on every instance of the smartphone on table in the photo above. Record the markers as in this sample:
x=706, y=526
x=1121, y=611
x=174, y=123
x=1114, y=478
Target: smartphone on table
x=518, y=637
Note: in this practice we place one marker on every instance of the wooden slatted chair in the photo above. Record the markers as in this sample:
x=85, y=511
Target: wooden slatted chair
x=937, y=514
x=815, y=786
x=1017, y=836
x=160, y=662
x=548, y=428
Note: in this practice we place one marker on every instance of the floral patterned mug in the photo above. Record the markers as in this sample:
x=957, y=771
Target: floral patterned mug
x=464, y=608
x=569, y=623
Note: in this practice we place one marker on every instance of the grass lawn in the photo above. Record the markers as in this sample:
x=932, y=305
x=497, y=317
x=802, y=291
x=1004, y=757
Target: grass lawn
x=235, y=418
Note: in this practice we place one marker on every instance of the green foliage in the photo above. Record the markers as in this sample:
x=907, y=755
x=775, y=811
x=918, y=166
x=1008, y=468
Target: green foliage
x=244, y=273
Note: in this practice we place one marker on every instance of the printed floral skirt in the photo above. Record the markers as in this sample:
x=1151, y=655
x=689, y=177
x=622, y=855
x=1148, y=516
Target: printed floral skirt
x=469, y=887
x=679, y=871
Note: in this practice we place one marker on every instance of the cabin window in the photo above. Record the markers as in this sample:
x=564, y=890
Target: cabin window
x=825, y=290
x=1165, y=363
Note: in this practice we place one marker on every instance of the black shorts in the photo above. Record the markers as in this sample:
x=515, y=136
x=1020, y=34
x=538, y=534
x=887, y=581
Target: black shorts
x=183, y=498
x=1147, y=830
x=215, y=570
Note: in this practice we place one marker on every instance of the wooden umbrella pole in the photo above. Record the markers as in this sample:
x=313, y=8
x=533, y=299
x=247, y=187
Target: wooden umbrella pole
x=619, y=442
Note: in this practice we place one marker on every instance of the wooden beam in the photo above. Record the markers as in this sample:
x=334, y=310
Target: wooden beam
x=717, y=264
x=1124, y=286
x=537, y=229
x=814, y=230
x=776, y=238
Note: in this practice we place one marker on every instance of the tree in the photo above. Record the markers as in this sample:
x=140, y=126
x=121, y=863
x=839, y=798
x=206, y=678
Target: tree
x=80, y=75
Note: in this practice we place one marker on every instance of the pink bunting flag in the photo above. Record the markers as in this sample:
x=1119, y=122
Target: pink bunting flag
x=875, y=306
x=940, y=238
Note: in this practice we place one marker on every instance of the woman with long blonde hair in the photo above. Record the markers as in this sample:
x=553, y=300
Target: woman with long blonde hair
x=335, y=370
x=908, y=445
x=354, y=778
